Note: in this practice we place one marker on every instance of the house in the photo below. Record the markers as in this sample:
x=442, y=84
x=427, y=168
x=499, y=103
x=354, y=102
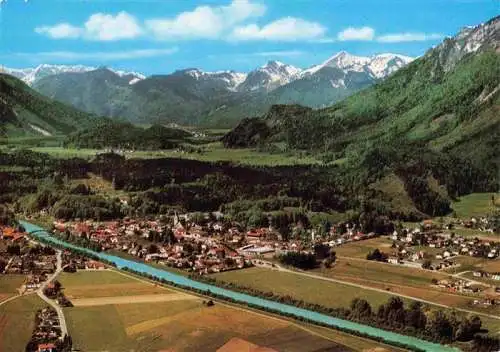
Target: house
x=393, y=260
x=46, y=347
x=94, y=265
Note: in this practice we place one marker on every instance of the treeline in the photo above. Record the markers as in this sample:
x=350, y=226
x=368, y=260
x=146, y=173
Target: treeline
x=113, y=134
x=82, y=241
x=85, y=252
x=299, y=260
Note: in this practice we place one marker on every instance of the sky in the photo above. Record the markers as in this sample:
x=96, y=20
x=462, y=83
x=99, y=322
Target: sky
x=161, y=36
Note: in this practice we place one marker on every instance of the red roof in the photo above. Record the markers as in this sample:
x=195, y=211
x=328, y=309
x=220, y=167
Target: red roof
x=46, y=346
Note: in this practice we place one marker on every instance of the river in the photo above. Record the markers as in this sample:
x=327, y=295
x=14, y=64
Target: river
x=244, y=298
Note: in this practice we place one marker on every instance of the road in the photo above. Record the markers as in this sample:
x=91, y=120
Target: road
x=52, y=303
x=319, y=277
x=14, y=297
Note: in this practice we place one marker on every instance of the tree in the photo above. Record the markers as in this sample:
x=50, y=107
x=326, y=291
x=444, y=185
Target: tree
x=321, y=251
x=377, y=255
x=332, y=258
x=14, y=249
x=439, y=326
x=153, y=249
x=415, y=317
x=427, y=264
x=299, y=260
x=360, y=309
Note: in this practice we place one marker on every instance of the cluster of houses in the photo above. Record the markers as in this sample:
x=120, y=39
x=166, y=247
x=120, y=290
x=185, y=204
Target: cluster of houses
x=18, y=255
x=187, y=245
x=486, y=302
x=458, y=285
x=47, y=332
x=444, y=246
x=483, y=224
x=487, y=275
x=72, y=262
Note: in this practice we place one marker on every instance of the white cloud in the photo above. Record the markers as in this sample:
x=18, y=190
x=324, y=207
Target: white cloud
x=60, y=31
x=352, y=33
x=408, y=37
x=99, y=56
x=368, y=34
x=205, y=22
x=99, y=26
x=106, y=27
x=284, y=29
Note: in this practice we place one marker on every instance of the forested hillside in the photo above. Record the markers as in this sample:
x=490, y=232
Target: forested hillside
x=432, y=128
x=26, y=112
x=108, y=133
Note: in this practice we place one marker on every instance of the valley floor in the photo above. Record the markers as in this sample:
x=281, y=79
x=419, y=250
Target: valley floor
x=183, y=324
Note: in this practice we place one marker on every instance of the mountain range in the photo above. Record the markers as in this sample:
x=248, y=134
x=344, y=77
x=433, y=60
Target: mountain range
x=32, y=75
x=194, y=96
x=446, y=100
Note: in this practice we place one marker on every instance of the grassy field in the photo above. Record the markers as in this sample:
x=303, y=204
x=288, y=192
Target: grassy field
x=492, y=266
x=393, y=279
x=17, y=319
x=385, y=273
x=185, y=325
x=104, y=283
x=100, y=186
x=9, y=285
x=401, y=280
x=476, y=204
x=188, y=325
x=360, y=249
x=311, y=290
x=468, y=263
x=209, y=152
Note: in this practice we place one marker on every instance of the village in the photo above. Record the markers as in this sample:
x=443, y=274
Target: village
x=21, y=256
x=47, y=334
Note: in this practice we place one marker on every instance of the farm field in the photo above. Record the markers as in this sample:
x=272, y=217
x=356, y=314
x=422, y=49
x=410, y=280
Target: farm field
x=184, y=326
x=359, y=249
x=333, y=294
x=9, y=285
x=105, y=283
x=210, y=152
x=181, y=325
x=17, y=319
x=402, y=280
x=311, y=290
x=383, y=272
x=469, y=263
x=492, y=266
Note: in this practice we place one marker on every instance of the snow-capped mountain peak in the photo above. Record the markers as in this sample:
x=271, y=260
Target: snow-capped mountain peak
x=228, y=79
x=383, y=65
x=46, y=70
x=270, y=76
x=378, y=66
x=31, y=75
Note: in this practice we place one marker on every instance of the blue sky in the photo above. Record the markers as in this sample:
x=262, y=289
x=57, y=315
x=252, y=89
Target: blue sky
x=160, y=36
